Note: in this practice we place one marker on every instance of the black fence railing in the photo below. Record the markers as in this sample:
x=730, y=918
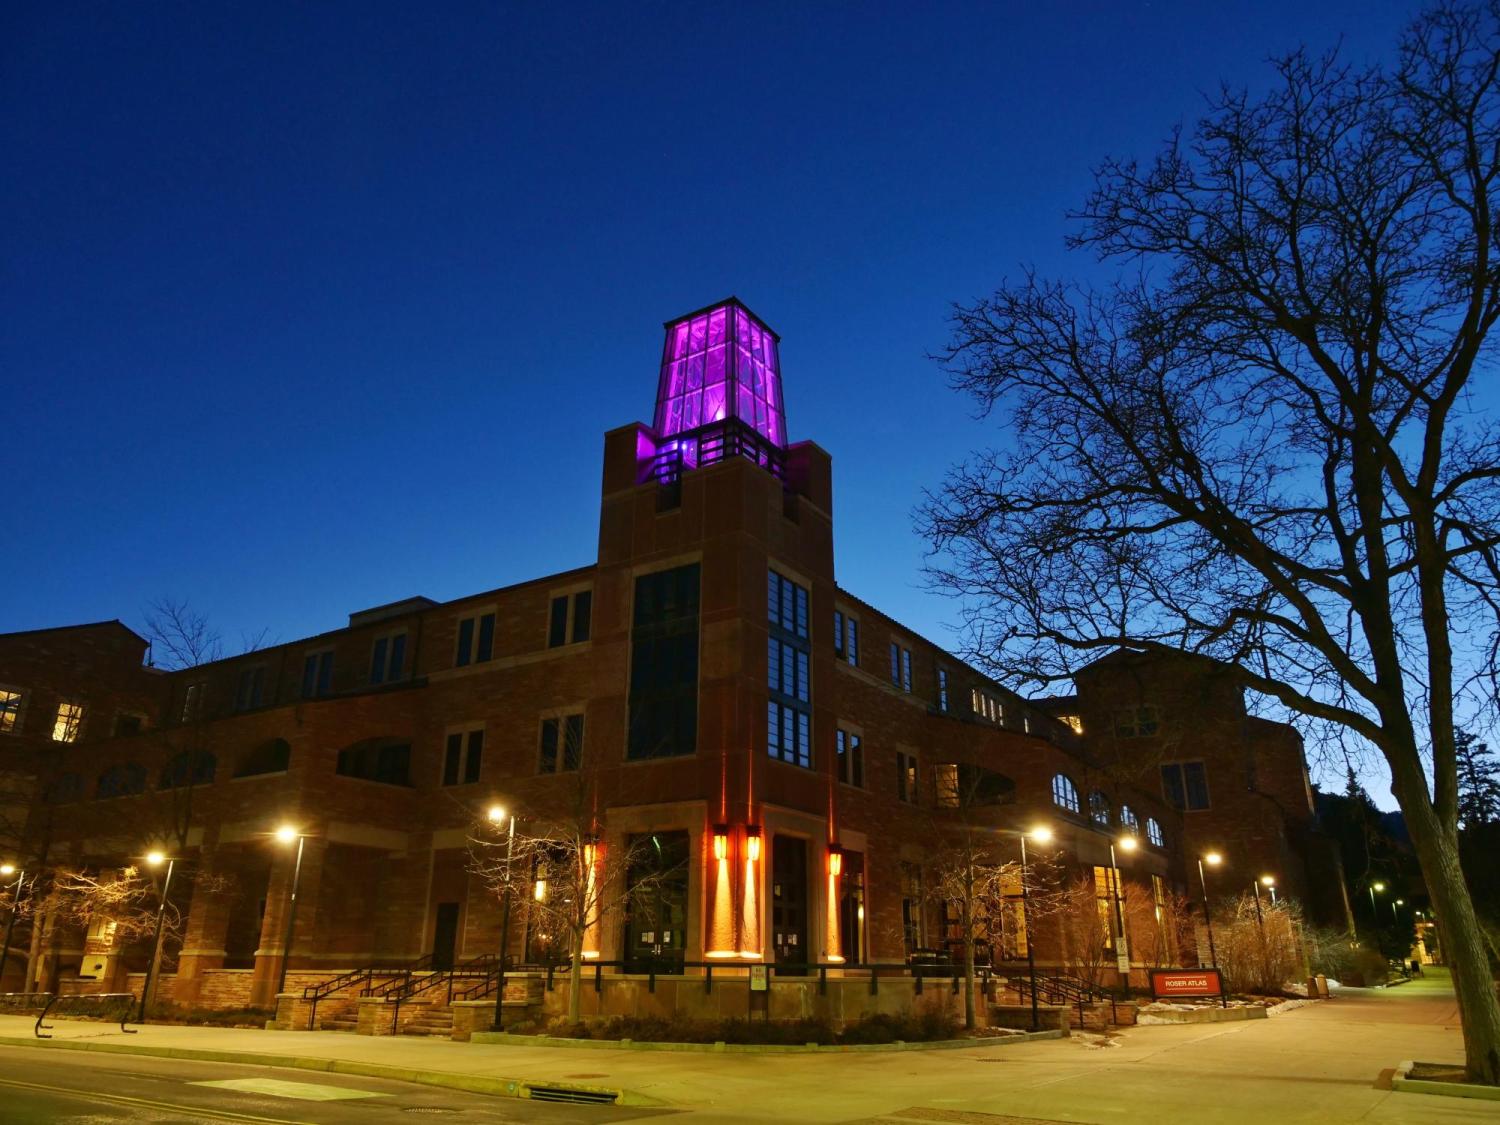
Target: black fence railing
x=675, y=969
x=708, y=445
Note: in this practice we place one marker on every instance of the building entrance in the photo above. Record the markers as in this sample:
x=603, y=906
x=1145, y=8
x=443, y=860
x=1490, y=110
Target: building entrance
x=656, y=910
x=444, y=935
x=789, y=900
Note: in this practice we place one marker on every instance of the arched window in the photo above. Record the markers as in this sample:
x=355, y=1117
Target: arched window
x=188, y=768
x=1099, y=809
x=1128, y=820
x=272, y=756
x=1064, y=793
x=121, y=781
x=1153, y=833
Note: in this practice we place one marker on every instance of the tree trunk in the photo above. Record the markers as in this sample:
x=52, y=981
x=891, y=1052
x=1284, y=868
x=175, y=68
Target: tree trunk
x=1464, y=947
x=575, y=982
x=969, y=983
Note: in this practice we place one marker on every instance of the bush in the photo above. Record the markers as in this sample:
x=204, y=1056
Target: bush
x=881, y=1028
x=165, y=1011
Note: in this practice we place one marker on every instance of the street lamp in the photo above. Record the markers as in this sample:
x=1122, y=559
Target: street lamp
x=1373, y=888
x=6, y=871
x=285, y=835
x=1269, y=882
x=1394, y=916
x=1213, y=859
x=1042, y=835
x=153, y=967
x=1122, y=950
x=497, y=817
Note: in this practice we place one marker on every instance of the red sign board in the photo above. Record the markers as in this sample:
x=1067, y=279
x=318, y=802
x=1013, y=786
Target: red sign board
x=1167, y=983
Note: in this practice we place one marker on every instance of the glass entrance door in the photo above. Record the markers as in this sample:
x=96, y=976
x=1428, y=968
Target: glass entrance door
x=789, y=900
x=656, y=910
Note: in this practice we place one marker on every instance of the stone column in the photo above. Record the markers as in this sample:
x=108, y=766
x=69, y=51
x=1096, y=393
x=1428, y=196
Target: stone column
x=269, y=955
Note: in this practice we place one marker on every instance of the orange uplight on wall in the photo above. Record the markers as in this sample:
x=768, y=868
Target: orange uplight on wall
x=835, y=860
x=752, y=844
x=721, y=841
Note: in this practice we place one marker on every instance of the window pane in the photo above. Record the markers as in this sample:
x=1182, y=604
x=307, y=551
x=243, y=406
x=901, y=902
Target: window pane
x=486, y=637
x=557, y=628
x=1171, y=784
x=549, y=746
x=450, y=759
x=573, y=742
x=476, y=755
x=1196, y=783
x=465, y=642
x=583, y=614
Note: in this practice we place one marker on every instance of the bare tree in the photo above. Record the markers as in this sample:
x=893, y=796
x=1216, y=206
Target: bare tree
x=1260, y=445
x=1160, y=931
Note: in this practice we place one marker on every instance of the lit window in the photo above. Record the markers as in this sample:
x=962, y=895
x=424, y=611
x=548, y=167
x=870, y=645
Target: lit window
x=1128, y=820
x=1099, y=809
x=1065, y=793
x=387, y=658
x=845, y=637
x=942, y=677
x=10, y=710
x=901, y=666
x=1185, y=785
x=476, y=640
x=68, y=723
x=1136, y=722
x=788, y=655
x=462, y=756
x=851, y=759
x=570, y=619
x=1154, y=833
x=562, y=743
x=1074, y=722
x=906, y=778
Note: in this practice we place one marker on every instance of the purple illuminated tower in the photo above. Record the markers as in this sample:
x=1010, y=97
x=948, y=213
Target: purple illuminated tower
x=719, y=367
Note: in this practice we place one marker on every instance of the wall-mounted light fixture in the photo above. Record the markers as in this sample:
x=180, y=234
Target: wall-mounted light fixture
x=752, y=843
x=835, y=859
x=721, y=841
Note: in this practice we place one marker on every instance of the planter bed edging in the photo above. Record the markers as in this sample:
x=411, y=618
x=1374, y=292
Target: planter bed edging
x=505, y=1037
x=1402, y=1082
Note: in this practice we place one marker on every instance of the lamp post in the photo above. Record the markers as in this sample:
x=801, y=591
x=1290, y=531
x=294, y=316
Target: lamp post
x=1394, y=916
x=1269, y=882
x=153, y=967
x=285, y=835
x=1213, y=859
x=1122, y=948
x=1260, y=920
x=1374, y=915
x=1041, y=835
x=497, y=817
x=6, y=871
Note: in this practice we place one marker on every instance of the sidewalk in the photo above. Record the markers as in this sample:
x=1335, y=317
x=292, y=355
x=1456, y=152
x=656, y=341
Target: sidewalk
x=1318, y=1064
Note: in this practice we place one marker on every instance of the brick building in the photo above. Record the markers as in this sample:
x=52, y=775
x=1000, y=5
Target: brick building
x=705, y=682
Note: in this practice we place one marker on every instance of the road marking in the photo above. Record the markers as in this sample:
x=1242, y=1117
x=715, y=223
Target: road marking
x=279, y=1088
x=148, y=1103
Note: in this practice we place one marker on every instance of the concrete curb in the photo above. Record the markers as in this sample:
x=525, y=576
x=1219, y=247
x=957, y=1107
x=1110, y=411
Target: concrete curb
x=1199, y=1015
x=503, y=1037
x=452, y=1080
x=1402, y=1082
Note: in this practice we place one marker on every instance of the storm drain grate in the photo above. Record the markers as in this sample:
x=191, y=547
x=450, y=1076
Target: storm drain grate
x=430, y=1109
x=571, y=1094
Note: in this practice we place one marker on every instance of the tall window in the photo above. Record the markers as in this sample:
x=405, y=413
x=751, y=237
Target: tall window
x=570, y=619
x=387, y=658
x=192, y=702
x=10, y=710
x=317, y=674
x=664, y=664
x=69, y=722
x=1099, y=809
x=845, y=637
x=1154, y=833
x=911, y=907
x=463, y=756
x=562, y=743
x=906, y=777
x=942, y=677
x=789, y=708
x=1185, y=785
x=476, y=640
x=851, y=756
x=984, y=704
x=252, y=688
x=1129, y=821
x=1104, y=903
x=1064, y=793
x=901, y=666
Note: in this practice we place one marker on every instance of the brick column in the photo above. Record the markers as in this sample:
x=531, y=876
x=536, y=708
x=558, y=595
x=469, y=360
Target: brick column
x=269, y=955
x=206, y=927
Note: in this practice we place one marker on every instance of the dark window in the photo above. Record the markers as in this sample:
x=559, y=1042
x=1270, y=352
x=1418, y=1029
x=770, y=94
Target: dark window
x=127, y=725
x=664, y=664
x=465, y=642
x=562, y=743
x=387, y=762
x=959, y=785
x=901, y=666
x=272, y=756
x=1185, y=785
x=476, y=640
x=845, y=637
x=251, y=689
x=317, y=674
x=571, y=619
x=942, y=677
x=1136, y=722
x=557, y=628
x=186, y=769
x=1099, y=809
x=462, y=757
x=68, y=787
x=906, y=777
x=788, y=653
x=583, y=615
x=911, y=907
x=121, y=781
x=192, y=703
x=851, y=756
x=838, y=634
x=789, y=901
x=387, y=658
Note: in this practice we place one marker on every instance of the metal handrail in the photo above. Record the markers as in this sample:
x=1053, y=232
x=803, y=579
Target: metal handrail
x=123, y=1002
x=365, y=973
x=401, y=978
x=415, y=986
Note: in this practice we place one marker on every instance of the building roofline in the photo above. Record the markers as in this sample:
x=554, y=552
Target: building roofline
x=115, y=621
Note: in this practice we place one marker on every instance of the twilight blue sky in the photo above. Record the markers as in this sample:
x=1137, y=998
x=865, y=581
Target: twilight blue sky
x=309, y=307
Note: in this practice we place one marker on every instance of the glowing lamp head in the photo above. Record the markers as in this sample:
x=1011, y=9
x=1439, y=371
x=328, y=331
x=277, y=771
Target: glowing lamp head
x=1041, y=834
x=286, y=834
x=539, y=891
x=1400, y=902
x=1268, y=880
x=155, y=859
x=7, y=869
x=721, y=841
x=1128, y=843
x=1213, y=859
x=496, y=814
x=835, y=860
x=752, y=844
x=1378, y=887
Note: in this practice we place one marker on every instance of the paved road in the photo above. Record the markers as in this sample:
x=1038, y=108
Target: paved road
x=68, y=1088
